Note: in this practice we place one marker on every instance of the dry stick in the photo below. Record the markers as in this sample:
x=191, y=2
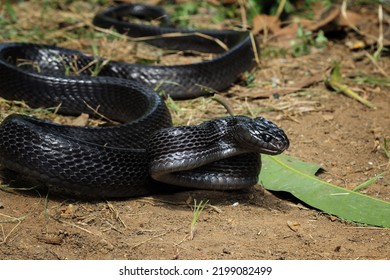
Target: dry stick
x=116, y=213
x=97, y=113
x=224, y=103
x=166, y=35
x=255, y=50
x=79, y=71
x=244, y=18
x=279, y=11
x=380, y=69
x=380, y=37
x=54, y=34
x=380, y=44
x=180, y=34
x=74, y=225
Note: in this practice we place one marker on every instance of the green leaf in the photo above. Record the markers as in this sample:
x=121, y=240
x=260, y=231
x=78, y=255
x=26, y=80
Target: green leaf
x=285, y=173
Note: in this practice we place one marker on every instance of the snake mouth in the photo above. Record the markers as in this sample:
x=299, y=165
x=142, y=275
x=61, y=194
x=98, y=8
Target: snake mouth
x=274, y=147
x=272, y=142
x=274, y=150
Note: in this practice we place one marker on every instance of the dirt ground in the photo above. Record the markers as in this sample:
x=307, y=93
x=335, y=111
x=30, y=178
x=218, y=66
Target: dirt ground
x=323, y=126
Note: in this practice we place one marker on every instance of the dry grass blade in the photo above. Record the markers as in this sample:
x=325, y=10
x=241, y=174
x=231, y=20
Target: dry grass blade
x=74, y=225
x=9, y=219
x=96, y=111
x=225, y=103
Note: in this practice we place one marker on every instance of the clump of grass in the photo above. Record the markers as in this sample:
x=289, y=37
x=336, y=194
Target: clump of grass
x=7, y=107
x=182, y=12
x=305, y=40
x=198, y=208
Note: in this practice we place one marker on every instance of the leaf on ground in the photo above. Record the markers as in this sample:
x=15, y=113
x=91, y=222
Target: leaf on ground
x=298, y=178
x=265, y=23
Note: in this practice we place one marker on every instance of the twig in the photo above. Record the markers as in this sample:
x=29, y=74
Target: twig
x=279, y=11
x=224, y=103
x=116, y=213
x=244, y=18
x=380, y=37
x=255, y=50
x=97, y=113
x=74, y=225
x=166, y=35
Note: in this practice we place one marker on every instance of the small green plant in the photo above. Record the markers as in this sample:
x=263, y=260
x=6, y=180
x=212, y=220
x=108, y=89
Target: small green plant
x=249, y=79
x=283, y=8
x=304, y=41
x=182, y=12
x=10, y=11
x=198, y=208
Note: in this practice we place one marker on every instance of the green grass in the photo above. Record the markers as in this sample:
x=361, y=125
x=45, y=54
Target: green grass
x=198, y=208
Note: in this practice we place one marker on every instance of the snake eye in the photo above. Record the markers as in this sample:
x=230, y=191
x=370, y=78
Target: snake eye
x=267, y=138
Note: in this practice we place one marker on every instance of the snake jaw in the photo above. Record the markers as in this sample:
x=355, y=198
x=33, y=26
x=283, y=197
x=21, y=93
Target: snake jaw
x=262, y=136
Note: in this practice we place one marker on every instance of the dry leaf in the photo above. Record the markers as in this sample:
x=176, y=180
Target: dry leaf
x=68, y=211
x=81, y=120
x=266, y=23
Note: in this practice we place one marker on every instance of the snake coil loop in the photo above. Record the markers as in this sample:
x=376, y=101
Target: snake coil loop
x=125, y=160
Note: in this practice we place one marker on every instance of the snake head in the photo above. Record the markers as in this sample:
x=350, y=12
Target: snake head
x=261, y=135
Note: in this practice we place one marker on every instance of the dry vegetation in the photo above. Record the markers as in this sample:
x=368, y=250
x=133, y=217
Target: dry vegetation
x=325, y=127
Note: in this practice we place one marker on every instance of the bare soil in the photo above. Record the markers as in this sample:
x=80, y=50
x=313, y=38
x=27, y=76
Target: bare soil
x=324, y=127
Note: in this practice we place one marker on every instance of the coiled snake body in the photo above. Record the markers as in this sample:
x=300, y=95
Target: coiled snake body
x=126, y=160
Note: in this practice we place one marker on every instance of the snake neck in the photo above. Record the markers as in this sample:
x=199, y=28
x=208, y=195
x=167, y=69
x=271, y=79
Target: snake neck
x=184, y=148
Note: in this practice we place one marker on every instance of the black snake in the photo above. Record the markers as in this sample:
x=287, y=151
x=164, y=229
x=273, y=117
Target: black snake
x=128, y=159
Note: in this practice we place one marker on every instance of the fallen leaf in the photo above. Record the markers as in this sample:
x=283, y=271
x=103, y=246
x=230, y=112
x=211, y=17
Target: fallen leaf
x=68, y=211
x=81, y=120
x=325, y=18
x=266, y=23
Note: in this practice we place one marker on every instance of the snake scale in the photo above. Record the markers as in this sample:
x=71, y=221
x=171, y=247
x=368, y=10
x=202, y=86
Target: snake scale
x=144, y=152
